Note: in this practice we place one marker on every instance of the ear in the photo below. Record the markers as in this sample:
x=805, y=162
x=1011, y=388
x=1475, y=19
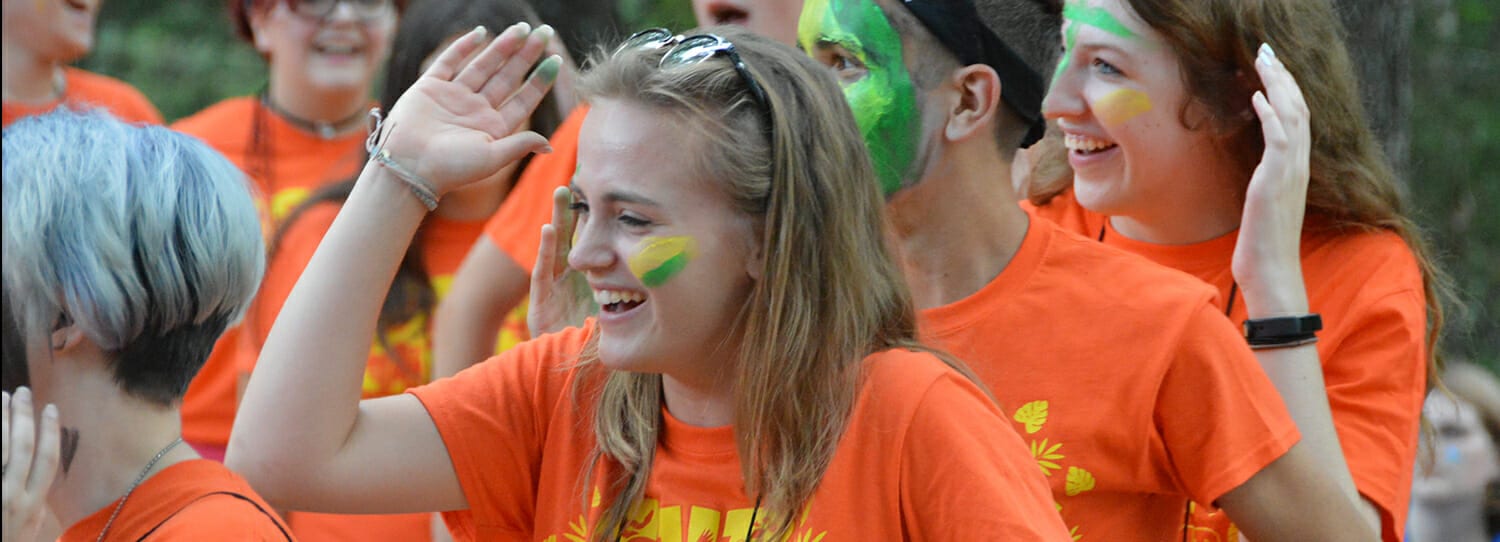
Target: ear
x=67, y=336
x=978, y=106
x=257, y=18
x=756, y=263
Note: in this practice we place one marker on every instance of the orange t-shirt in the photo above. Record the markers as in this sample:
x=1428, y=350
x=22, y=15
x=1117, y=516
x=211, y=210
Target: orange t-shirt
x=516, y=227
x=445, y=243
x=191, y=500
x=84, y=89
x=1368, y=288
x=299, y=163
x=1131, y=389
x=926, y=456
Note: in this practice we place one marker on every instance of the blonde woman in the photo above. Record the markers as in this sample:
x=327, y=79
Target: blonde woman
x=753, y=372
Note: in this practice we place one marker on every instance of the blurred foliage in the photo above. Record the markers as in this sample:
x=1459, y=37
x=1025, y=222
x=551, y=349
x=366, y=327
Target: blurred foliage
x=183, y=55
x=1455, y=182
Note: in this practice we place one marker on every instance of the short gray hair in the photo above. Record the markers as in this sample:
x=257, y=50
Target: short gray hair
x=134, y=234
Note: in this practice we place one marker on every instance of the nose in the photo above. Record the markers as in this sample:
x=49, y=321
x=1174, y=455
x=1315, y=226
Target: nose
x=1064, y=98
x=343, y=11
x=591, y=250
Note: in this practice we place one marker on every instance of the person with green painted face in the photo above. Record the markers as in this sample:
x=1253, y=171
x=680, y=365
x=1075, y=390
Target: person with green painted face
x=1134, y=391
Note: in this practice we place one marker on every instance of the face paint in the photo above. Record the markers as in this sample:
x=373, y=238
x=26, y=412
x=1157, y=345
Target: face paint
x=1077, y=14
x=884, y=100
x=1121, y=105
x=661, y=258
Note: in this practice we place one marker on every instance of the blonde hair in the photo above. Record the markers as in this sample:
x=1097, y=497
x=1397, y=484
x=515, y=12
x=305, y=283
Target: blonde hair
x=829, y=294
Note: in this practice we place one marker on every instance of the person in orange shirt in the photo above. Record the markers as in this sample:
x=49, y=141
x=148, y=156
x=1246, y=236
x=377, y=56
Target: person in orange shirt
x=118, y=298
x=491, y=286
x=39, y=40
x=754, y=370
x=303, y=132
x=1134, y=394
x=1227, y=140
x=401, y=355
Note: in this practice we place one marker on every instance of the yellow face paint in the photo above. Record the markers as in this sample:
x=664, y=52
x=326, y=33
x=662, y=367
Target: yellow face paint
x=661, y=258
x=1121, y=105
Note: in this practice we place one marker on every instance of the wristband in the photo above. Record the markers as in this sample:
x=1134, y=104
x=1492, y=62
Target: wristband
x=1282, y=331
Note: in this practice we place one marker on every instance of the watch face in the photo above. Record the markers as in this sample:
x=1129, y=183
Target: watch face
x=1283, y=328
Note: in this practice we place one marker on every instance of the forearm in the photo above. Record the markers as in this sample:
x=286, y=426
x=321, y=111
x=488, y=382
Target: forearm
x=303, y=397
x=1297, y=374
x=469, y=318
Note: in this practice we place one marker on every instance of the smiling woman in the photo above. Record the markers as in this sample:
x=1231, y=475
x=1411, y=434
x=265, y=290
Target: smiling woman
x=40, y=39
x=299, y=134
x=755, y=373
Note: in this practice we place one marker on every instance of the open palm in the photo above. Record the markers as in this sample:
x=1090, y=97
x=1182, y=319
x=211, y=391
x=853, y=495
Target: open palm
x=458, y=123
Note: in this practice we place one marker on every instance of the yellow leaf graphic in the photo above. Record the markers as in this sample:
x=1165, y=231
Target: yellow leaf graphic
x=1033, y=415
x=1079, y=481
x=1074, y=532
x=1044, y=454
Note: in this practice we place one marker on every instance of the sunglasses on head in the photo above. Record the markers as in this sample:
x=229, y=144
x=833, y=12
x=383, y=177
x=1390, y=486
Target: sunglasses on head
x=363, y=10
x=692, y=50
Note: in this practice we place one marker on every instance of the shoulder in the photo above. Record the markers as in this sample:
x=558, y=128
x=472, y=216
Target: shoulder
x=223, y=516
x=540, y=370
x=1110, y=278
x=122, y=99
x=1370, y=255
x=897, y=384
x=220, y=123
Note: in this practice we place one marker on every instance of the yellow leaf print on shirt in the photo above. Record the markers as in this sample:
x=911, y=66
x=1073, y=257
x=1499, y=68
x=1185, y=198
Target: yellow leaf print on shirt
x=1079, y=481
x=1045, y=455
x=1033, y=415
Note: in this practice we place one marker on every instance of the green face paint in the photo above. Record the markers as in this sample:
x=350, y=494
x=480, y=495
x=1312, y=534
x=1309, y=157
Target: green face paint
x=661, y=258
x=884, y=100
x=1077, y=15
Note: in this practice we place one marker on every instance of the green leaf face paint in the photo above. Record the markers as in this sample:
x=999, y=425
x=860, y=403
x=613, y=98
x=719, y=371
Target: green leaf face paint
x=661, y=258
x=884, y=100
x=1077, y=14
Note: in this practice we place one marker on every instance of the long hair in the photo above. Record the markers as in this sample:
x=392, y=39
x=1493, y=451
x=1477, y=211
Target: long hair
x=1351, y=185
x=423, y=29
x=829, y=295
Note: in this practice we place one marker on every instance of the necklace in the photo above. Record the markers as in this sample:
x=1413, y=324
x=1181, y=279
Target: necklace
x=137, y=483
x=324, y=130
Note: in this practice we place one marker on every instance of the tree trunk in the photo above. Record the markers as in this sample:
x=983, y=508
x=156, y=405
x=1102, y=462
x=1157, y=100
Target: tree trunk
x=1379, y=40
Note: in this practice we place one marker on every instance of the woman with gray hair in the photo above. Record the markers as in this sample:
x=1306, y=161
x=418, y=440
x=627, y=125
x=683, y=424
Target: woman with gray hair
x=127, y=251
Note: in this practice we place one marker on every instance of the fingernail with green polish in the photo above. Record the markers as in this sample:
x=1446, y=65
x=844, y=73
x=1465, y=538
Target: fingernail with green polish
x=547, y=70
x=545, y=31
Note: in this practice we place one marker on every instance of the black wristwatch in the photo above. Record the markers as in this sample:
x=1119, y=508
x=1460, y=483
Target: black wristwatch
x=1282, y=331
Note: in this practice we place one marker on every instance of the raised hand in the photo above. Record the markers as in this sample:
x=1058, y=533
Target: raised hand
x=460, y=122
x=559, y=296
x=1267, y=259
x=30, y=462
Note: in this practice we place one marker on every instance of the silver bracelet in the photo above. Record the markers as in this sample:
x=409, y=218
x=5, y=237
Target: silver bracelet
x=418, y=185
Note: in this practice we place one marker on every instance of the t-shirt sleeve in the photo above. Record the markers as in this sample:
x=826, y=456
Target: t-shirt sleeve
x=516, y=226
x=1217, y=411
x=221, y=517
x=493, y=418
x=966, y=475
x=1376, y=378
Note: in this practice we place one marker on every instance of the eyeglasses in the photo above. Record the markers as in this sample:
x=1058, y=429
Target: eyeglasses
x=363, y=10
x=692, y=50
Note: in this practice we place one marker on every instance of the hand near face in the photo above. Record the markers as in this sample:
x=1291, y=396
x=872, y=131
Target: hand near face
x=30, y=463
x=559, y=296
x=1267, y=258
x=460, y=122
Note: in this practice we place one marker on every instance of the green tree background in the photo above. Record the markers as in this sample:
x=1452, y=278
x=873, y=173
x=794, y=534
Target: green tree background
x=183, y=55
